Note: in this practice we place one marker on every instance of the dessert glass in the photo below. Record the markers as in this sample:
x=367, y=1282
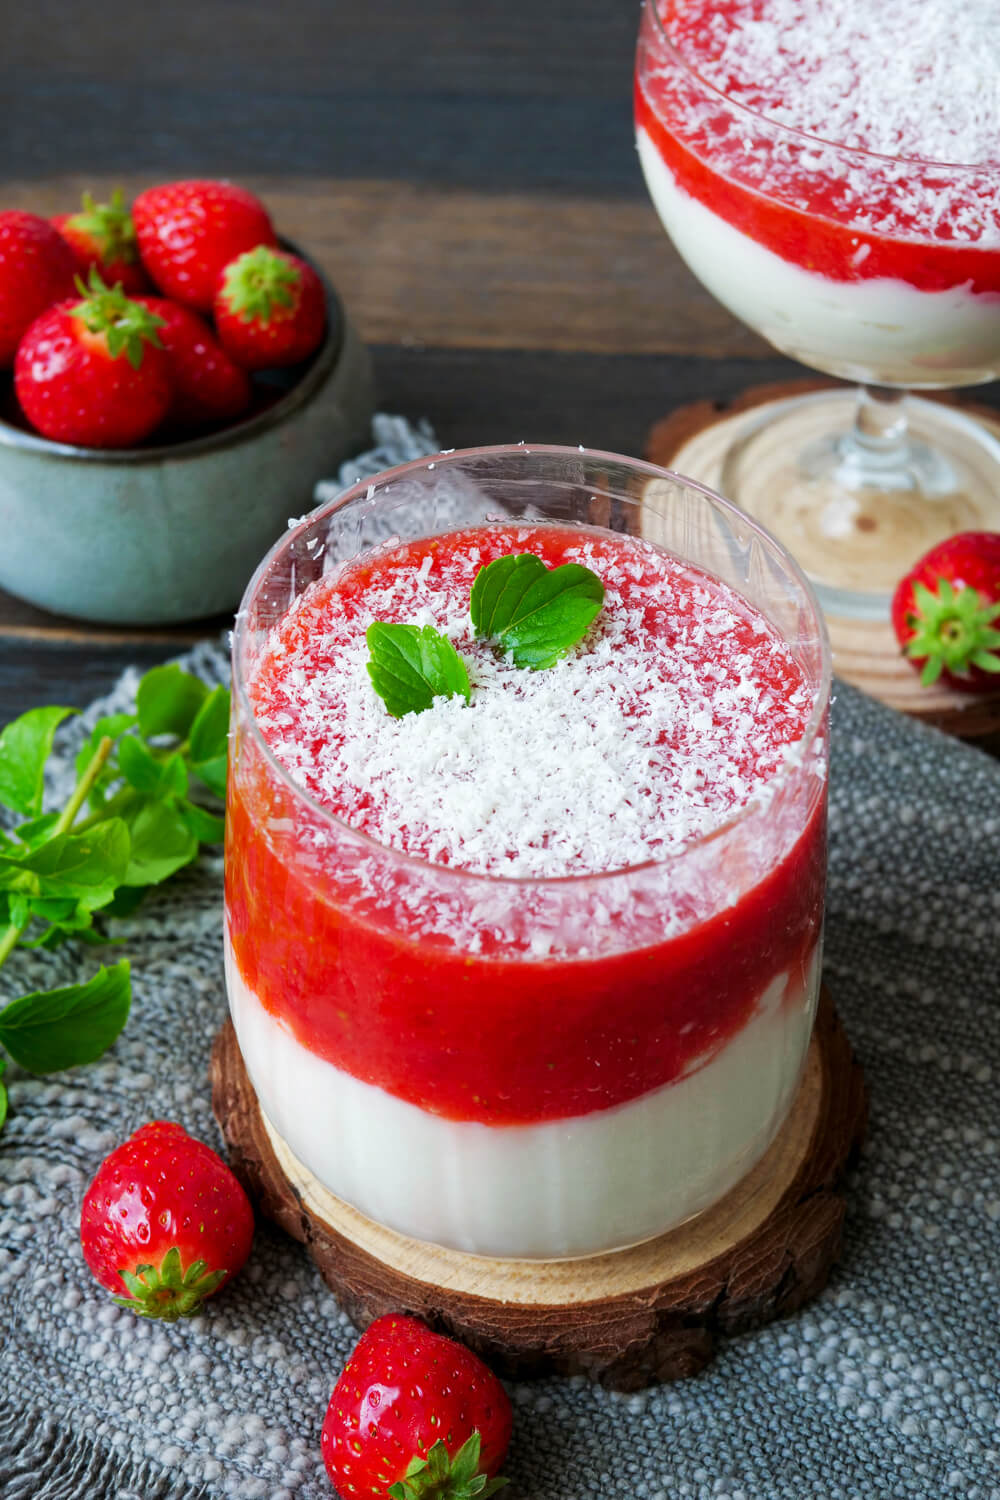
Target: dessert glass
x=860, y=484
x=575, y=982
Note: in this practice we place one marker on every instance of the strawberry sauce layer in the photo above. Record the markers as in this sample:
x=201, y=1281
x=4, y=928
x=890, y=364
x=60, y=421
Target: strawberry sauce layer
x=724, y=102
x=456, y=973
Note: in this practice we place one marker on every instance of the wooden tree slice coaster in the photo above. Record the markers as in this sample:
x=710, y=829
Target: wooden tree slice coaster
x=692, y=441
x=626, y=1319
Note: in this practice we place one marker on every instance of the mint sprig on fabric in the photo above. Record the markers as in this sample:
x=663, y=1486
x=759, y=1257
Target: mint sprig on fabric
x=536, y=614
x=130, y=823
x=411, y=665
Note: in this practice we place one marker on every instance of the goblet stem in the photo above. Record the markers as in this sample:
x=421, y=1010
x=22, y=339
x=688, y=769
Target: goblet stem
x=878, y=452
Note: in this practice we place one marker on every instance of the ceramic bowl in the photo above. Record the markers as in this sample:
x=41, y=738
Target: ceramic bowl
x=161, y=534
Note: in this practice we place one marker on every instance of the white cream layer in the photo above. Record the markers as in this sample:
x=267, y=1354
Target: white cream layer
x=562, y=1188
x=882, y=331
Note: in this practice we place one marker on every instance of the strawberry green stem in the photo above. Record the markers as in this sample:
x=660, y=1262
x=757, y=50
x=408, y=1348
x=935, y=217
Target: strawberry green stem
x=12, y=935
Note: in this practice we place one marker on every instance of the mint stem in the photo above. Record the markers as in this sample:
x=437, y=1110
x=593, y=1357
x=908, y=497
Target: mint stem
x=93, y=768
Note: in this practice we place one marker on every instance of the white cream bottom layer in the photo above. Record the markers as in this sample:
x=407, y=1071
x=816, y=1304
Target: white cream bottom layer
x=882, y=331
x=562, y=1188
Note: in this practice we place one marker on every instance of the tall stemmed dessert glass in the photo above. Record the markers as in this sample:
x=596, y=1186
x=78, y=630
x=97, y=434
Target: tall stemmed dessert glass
x=832, y=175
x=528, y=970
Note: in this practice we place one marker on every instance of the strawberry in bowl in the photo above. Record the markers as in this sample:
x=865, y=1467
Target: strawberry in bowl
x=101, y=237
x=189, y=231
x=36, y=269
x=143, y=469
x=93, y=371
x=270, y=310
x=946, y=613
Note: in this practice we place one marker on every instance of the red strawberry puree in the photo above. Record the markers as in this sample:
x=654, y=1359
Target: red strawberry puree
x=808, y=128
x=505, y=995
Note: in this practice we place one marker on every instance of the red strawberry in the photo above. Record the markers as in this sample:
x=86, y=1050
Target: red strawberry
x=36, y=269
x=103, y=236
x=208, y=386
x=946, y=610
x=188, y=231
x=415, y=1415
x=165, y=1220
x=270, y=309
x=93, y=372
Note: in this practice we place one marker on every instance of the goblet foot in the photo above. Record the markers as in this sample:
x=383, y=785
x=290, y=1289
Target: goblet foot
x=858, y=485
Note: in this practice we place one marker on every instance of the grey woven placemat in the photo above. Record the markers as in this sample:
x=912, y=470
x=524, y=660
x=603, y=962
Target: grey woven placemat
x=887, y=1385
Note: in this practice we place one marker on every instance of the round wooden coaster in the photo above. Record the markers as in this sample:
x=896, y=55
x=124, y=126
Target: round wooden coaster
x=693, y=439
x=626, y=1319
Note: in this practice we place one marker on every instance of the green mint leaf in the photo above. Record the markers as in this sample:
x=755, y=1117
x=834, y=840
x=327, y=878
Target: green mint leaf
x=161, y=844
x=209, y=737
x=25, y=744
x=148, y=773
x=535, y=613
x=110, y=727
x=53, y=908
x=208, y=742
x=126, y=899
x=206, y=827
x=53, y=1029
x=79, y=925
x=37, y=830
x=87, y=866
x=20, y=907
x=168, y=701
x=412, y=665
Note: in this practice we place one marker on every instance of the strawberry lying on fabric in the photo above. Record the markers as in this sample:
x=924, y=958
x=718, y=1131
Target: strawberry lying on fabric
x=164, y=1222
x=414, y=1416
x=270, y=309
x=36, y=269
x=188, y=231
x=102, y=236
x=208, y=385
x=946, y=613
x=92, y=371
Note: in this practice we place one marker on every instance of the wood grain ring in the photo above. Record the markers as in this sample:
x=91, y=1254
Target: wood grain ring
x=625, y=1319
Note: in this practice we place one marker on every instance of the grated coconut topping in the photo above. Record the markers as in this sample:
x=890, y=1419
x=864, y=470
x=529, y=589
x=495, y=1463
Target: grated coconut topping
x=676, y=709
x=917, y=80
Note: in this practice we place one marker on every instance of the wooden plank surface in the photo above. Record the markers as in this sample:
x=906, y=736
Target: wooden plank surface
x=491, y=96
x=461, y=268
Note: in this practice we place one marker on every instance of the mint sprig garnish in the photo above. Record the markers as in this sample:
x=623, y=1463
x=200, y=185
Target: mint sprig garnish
x=130, y=823
x=535, y=613
x=411, y=665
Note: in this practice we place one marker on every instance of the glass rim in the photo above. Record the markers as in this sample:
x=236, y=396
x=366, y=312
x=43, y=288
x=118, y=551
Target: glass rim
x=806, y=136
x=361, y=490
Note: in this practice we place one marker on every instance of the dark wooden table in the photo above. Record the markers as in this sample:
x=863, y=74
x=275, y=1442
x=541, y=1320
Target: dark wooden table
x=466, y=174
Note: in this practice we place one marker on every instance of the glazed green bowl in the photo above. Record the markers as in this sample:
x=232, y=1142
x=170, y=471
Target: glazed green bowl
x=157, y=535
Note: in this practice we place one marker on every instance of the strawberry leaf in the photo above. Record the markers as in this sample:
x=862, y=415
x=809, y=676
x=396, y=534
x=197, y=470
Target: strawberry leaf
x=257, y=283
x=412, y=665
x=952, y=630
x=127, y=326
x=535, y=613
x=48, y=1030
x=440, y=1477
x=168, y=1291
